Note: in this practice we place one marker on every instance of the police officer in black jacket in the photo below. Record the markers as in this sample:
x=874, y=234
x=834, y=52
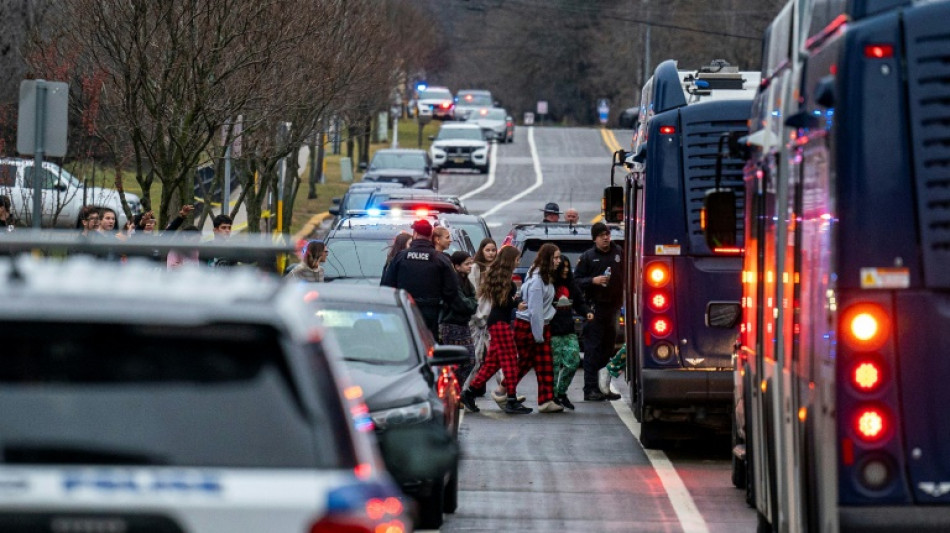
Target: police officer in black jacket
x=425, y=273
x=604, y=292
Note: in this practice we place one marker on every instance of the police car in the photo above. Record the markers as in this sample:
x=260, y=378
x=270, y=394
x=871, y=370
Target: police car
x=135, y=399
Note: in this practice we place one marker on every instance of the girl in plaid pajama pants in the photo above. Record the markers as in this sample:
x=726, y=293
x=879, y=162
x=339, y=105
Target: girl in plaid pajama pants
x=532, y=329
x=502, y=353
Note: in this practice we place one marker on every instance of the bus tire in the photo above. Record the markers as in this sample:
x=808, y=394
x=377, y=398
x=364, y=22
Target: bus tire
x=650, y=435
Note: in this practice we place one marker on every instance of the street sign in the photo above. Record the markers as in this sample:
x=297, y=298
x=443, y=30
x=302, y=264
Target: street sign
x=528, y=118
x=542, y=107
x=603, y=110
x=43, y=104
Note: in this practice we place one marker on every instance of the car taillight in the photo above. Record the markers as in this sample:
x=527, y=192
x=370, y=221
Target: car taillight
x=351, y=511
x=657, y=275
x=871, y=423
x=865, y=326
x=659, y=302
x=446, y=105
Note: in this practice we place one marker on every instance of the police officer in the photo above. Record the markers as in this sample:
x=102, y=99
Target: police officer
x=425, y=273
x=604, y=292
x=552, y=212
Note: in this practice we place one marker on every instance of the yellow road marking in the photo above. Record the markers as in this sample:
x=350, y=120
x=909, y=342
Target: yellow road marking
x=611, y=141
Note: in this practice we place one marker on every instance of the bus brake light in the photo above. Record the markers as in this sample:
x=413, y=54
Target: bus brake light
x=661, y=327
x=667, y=130
x=870, y=423
x=865, y=326
x=659, y=302
x=658, y=275
x=879, y=51
x=866, y=376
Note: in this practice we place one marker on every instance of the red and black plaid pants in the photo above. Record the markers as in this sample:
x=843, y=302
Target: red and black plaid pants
x=502, y=353
x=534, y=355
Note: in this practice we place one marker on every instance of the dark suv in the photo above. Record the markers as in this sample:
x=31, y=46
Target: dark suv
x=409, y=167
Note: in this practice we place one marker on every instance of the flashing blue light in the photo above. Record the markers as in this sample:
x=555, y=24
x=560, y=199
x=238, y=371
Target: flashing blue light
x=817, y=112
x=776, y=113
x=702, y=84
x=421, y=86
x=374, y=212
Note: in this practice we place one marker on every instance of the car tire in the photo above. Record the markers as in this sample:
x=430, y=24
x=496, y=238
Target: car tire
x=451, y=499
x=431, y=508
x=483, y=170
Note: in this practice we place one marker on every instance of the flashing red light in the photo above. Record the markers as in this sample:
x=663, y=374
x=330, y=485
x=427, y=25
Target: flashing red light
x=445, y=105
x=667, y=130
x=871, y=423
x=879, y=51
x=422, y=212
x=657, y=275
x=659, y=302
x=661, y=327
x=865, y=326
x=867, y=376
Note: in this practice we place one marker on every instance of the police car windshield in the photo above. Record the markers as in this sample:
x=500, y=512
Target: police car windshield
x=408, y=161
x=465, y=134
x=374, y=338
x=351, y=258
x=205, y=396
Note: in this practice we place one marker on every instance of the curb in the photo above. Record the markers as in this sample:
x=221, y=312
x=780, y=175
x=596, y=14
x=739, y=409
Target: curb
x=311, y=224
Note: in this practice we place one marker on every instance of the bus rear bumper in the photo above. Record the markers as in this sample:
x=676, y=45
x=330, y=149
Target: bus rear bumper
x=916, y=518
x=687, y=387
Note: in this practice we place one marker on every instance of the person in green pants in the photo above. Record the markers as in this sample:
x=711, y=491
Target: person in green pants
x=568, y=299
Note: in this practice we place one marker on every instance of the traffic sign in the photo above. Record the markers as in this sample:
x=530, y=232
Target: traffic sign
x=528, y=118
x=603, y=110
x=542, y=107
x=43, y=110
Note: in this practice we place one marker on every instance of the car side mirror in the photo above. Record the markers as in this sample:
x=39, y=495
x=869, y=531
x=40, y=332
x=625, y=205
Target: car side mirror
x=719, y=218
x=613, y=204
x=61, y=187
x=723, y=315
x=336, y=200
x=362, y=166
x=431, y=137
x=335, y=211
x=447, y=354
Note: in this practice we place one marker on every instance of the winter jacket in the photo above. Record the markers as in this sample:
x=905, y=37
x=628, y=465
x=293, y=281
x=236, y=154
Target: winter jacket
x=539, y=297
x=568, y=301
x=460, y=311
x=593, y=263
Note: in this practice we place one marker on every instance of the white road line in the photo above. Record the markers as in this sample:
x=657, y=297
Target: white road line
x=537, y=172
x=684, y=506
x=491, y=174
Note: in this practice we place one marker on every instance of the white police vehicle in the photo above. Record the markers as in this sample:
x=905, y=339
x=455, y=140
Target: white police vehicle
x=136, y=399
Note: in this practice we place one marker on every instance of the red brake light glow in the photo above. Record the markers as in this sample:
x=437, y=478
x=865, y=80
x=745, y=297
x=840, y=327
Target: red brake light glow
x=659, y=302
x=865, y=326
x=879, y=51
x=661, y=327
x=657, y=275
x=667, y=130
x=867, y=376
x=446, y=105
x=870, y=423
x=422, y=212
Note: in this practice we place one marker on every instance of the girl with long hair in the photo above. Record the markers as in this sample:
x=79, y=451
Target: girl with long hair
x=484, y=257
x=500, y=291
x=532, y=329
x=565, y=349
x=400, y=243
x=453, y=321
x=310, y=268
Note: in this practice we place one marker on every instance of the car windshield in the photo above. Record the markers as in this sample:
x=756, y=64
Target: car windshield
x=476, y=232
x=475, y=99
x=118, y=394
x=356, y=258
x=492, y=114
x=406, y=161
x=435, y=94
x=373, y=338
x=468, y=134
x=357, y=200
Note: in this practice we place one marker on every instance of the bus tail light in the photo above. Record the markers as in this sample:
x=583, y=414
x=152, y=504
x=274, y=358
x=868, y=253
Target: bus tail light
x=667, y=130
x=663, y=351
x=661, y=326
x=879, y=51
x=867, y=375
x=865, y=327
x=871, y=423
x=657, y=275
x=659, y=302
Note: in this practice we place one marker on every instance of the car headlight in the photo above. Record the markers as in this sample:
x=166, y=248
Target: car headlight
x=481, y=152
x=438, y=152
x=402, y=416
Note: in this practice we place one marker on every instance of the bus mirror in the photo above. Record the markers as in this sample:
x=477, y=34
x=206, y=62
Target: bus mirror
x=613, y=204
x=719, y=218
x=738, y=146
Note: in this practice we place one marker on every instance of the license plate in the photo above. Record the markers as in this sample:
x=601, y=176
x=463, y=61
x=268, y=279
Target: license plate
x=458, y=160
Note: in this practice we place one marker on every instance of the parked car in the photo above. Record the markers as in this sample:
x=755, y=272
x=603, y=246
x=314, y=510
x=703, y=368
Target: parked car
x=357, y=247
x=410, y=167
x=461, y=145
x=63, y=195
x=216, y=407
x=474, y=225
x=469, y=100
x=436, y=102
x=416, y=198
x=406, y=381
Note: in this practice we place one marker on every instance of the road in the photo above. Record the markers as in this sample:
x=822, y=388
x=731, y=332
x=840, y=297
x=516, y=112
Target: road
x=581, y=471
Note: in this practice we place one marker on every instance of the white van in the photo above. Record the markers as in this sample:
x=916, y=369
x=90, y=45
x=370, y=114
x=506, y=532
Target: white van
x=64, y=195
